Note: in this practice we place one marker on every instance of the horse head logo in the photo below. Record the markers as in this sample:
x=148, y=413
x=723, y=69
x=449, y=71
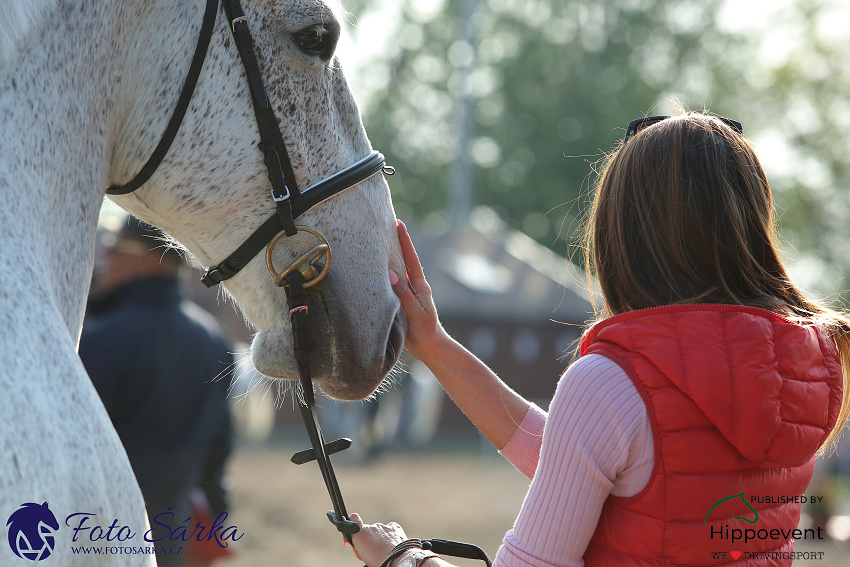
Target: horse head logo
x=747, y=504
x=31, y=531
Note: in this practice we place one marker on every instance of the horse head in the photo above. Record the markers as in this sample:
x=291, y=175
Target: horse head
x=212, y=191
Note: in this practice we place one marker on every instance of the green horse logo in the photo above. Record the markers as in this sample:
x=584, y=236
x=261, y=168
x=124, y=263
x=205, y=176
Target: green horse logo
x=747, y=504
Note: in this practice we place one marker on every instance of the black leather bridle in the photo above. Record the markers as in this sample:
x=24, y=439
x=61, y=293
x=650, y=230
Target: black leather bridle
x=290, y=203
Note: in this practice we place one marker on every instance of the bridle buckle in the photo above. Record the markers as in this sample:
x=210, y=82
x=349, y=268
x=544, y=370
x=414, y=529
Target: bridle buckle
x=280, y=198
x=241, y=19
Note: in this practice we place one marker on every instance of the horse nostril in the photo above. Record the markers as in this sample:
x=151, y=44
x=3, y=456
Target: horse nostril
x=395, y=342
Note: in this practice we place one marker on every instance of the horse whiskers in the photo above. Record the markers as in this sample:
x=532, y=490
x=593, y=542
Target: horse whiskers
x=297, y=392
x=229, y=370
x=243, y=369
x=253, y=382
x=238, y=369
x=284, y=386
x=400, y=367
x=241, y=357
x=391, y=382
x=267, y=385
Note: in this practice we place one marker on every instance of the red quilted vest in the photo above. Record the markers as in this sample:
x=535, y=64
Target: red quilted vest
x=739, y=400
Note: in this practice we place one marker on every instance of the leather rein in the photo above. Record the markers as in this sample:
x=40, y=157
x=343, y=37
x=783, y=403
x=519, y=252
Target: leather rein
x=290, y=203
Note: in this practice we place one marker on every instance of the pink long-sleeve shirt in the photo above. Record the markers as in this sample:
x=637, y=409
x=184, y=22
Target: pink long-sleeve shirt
x=595, y=441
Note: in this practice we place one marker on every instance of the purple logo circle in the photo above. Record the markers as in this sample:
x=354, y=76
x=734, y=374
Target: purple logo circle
x=32, y=529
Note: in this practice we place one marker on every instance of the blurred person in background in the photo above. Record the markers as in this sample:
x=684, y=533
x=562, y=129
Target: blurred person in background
x=707, y=374
x=155, y=359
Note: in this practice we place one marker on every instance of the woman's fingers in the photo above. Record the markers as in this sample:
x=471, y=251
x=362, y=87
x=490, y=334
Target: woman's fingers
x=411, y=259
x=357, y=520
x=375, y=541
x=424, y=333
x=409, y=302
x=413, y=289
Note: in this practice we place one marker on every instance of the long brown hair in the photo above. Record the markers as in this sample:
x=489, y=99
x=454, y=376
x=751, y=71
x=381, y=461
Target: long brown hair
x=683, y=213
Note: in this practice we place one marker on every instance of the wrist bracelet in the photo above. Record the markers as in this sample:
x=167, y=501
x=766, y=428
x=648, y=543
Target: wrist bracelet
x=405, y=546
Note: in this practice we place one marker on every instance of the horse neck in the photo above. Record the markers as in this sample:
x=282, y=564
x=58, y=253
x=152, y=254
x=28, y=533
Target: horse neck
x=60, y=113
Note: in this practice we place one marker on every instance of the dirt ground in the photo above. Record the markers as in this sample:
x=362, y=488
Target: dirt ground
x=465, y=493
x=461, y=491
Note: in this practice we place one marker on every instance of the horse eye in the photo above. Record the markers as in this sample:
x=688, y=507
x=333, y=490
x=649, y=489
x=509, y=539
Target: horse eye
x=312, y=40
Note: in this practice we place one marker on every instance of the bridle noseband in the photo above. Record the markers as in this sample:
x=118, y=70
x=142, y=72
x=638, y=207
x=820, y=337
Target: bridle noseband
x=305, y=271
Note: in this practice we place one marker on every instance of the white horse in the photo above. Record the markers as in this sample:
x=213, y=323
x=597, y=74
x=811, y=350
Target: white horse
x=86, y=89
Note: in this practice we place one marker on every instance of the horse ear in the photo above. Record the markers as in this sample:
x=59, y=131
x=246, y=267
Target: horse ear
x=44, y=505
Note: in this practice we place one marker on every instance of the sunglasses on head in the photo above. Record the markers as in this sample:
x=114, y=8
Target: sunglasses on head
x=636, y=126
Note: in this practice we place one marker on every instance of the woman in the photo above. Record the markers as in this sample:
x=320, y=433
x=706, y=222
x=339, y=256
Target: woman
x=702, y=394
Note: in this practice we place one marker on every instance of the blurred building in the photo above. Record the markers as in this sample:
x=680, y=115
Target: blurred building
x=517, y=305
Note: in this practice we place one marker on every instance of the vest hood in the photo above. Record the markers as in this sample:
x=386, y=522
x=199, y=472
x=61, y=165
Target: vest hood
x=772, y=387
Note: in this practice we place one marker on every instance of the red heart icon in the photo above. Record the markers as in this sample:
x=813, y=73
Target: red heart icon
x=735, y=554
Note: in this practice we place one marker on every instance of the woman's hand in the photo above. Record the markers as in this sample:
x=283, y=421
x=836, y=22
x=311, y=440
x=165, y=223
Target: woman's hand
x=374, y=542
x=492, y=406
x=424, y=331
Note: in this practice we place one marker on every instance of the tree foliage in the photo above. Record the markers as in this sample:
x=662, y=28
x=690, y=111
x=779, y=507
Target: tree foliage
x=554, y=83
x=799, y=101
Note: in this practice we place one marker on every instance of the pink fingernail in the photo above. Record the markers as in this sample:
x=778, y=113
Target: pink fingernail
x=393, y=277
x=404, y=226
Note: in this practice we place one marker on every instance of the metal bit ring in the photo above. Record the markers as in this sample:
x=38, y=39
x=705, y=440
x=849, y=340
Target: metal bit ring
x=306, y=263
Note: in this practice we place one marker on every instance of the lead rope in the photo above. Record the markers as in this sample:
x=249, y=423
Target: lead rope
x=293, y=285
